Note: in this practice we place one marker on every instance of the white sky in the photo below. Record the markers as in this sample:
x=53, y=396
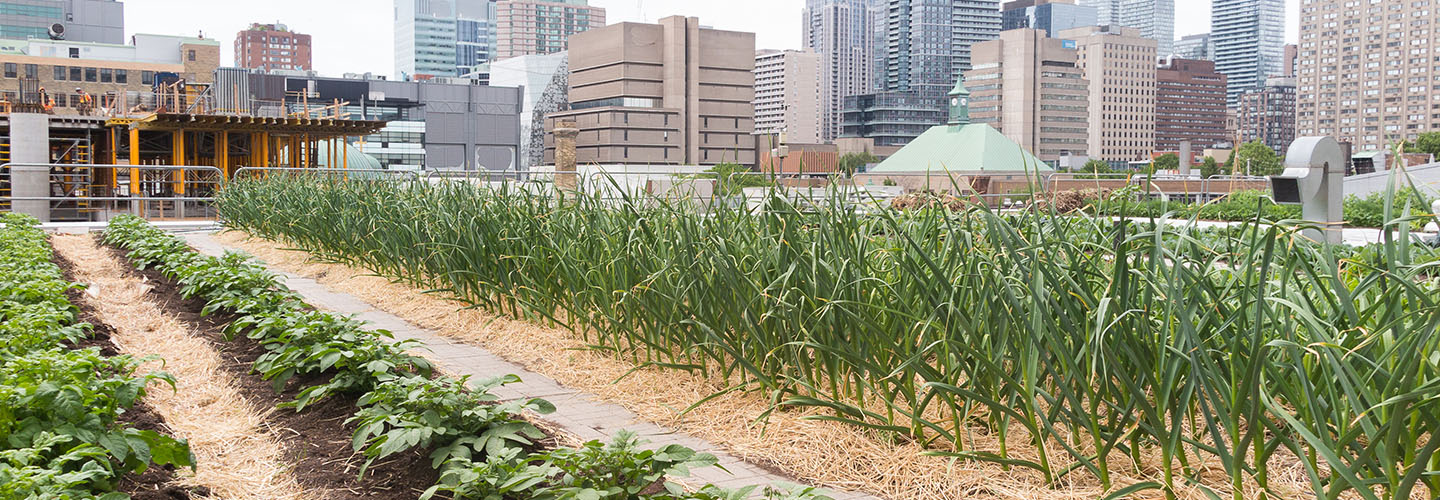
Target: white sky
x=355, y=36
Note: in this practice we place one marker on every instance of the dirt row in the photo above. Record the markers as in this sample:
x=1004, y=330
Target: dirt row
x=314, y=455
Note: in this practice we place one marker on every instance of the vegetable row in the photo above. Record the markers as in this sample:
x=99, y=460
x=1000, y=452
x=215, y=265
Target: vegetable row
x=482, y=446
x=62, y=431
x=1077, y=347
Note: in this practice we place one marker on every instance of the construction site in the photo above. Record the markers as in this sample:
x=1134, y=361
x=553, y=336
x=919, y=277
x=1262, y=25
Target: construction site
x=160, y=153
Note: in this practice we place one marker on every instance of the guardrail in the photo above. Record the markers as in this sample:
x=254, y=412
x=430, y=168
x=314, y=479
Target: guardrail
x=337, y=172
x=97, y=192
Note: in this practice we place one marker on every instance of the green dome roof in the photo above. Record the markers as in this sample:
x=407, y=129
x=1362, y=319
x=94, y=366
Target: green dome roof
x=976, y=147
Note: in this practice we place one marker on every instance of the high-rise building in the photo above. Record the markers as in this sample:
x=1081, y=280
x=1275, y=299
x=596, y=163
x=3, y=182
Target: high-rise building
x=927, y=46
x=475, y=36
x=928, y=43
x=1198, y=47
x=636, y=95
x=1291, y=56
x=1154, y=18
x=527, y=27
x=1268, y=114
x=1119, y=65
x=1189, y=106
x=1366, y=73
x=1050, y=16
x=1029, y=87
x=97, y=21
x=1249, y=38
x=272, y=46
x=842, y=33
x=787, y=95
x=443, y=37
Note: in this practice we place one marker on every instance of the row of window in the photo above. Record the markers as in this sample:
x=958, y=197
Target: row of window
x=78, y=74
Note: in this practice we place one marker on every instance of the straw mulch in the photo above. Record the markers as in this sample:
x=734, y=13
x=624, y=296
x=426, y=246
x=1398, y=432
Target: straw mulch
x=238, y=457
x=835, y=455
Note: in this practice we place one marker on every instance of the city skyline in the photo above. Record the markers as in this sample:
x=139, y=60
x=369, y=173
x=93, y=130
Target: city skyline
x=351, y=42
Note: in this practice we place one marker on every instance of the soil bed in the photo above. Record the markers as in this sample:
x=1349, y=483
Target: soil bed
x=156, y=483
x=317, y=441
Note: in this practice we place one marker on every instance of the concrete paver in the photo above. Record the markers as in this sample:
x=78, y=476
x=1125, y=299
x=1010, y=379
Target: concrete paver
x=577, y=412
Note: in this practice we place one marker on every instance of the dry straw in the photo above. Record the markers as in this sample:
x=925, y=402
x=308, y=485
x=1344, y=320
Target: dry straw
x=828, y=453
x=239, y=457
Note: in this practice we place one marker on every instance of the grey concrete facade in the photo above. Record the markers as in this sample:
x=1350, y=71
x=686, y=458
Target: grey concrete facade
x=432, y=125
x=667, y=93
x=99, y=21
x=30, y=143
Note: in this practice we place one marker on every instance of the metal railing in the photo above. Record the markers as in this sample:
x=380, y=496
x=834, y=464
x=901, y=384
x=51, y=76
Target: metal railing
x=98, y=192
x=346, y=173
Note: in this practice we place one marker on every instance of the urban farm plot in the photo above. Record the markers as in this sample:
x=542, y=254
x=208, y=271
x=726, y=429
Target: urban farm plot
x=1082, y=349
x=428, y=434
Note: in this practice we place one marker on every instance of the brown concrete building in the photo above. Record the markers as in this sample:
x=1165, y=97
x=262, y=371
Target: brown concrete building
x=101, y=69
x=1268, y=114
x=1119, y=65
x=1366, y=71
x=1189, y=106
x=272, y=46
x=788, y=95
x=529, y=27
x=1292, y=55
x=666, y=93
x=1028, y=87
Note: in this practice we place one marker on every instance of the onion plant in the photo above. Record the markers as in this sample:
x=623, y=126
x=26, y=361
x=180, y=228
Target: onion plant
x=1081, y=344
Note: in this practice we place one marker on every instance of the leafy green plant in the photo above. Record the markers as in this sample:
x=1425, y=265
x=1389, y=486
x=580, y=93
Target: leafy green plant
x=404, y=408
x=618, y=470
x=60, y=434
x=444, y=415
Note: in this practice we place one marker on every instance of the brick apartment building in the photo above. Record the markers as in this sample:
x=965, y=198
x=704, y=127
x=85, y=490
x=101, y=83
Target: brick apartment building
x=271, y=47
x=1189, y=106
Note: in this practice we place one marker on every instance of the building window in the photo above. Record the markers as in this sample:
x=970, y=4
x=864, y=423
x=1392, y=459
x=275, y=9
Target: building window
x=32, y=71
x=147, y=77
x=60, y=73
x=121, y=76
x=60, y=100
x=190, y=55
x=74, y=52
x=106, y=75
x=75, y=75
x=10, y=70
x=91, y=74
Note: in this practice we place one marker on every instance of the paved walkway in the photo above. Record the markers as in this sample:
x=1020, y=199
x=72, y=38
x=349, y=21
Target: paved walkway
x=576, y=411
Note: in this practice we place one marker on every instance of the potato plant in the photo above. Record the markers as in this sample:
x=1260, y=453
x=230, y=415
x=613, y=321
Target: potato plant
x=61, y=428
x=402, y=406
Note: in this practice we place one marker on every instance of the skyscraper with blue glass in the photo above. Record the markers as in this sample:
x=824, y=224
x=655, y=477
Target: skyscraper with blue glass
x=1050, y=16
x=443, y=37
x=1154, y=18
x=1249, y=38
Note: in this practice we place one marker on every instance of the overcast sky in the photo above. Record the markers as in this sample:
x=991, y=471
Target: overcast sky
x=356, y=36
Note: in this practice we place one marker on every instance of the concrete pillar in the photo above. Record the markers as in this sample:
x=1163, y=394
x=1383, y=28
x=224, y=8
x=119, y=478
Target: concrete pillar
x=565, y=133
x=1185, y=157
x=30, y=143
